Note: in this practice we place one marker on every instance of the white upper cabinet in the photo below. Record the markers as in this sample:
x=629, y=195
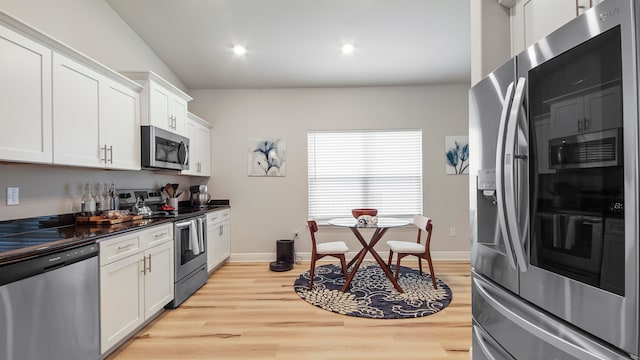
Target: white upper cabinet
x=120, y=129
x=96, y=120
x=532, y=20
x=76, y=114
x=60, y=106
x=25, y=99
x=162, y=104
x=199, y=134
x=593, y=111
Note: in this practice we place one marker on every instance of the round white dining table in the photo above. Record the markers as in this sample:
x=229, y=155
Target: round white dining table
x=383, y=224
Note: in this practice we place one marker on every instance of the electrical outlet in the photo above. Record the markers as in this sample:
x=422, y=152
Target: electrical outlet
x=13, y=196
x=452, y=231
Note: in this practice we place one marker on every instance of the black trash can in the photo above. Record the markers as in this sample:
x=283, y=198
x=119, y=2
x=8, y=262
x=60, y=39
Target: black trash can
x=284, y=256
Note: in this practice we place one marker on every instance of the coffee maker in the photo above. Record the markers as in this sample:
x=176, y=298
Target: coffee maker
x=199, y=195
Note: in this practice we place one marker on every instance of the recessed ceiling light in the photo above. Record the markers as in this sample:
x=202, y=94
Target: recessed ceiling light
x=239, y=50
x=347, y=48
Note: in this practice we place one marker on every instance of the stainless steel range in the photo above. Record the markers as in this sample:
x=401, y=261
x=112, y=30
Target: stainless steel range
x=190, y=240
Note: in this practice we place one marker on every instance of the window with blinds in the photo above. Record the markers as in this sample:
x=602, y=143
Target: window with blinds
x=379, y=169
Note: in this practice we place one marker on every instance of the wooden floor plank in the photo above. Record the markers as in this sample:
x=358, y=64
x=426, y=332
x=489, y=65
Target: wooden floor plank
x=246, y=311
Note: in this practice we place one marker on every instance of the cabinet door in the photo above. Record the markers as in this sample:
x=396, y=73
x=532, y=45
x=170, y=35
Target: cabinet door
x=159, y=107
x=213, y=234
x=603, y=109
x=121, y=299
x=179, y=114
x=194, y=153
x=199, y=149
x=567, y=116
x=204, y=150
x=218, y=238
x=25, y=99
x=76, y=115
x=120, y=126
x=225, y=241
x=159, y=278
x=532, y=20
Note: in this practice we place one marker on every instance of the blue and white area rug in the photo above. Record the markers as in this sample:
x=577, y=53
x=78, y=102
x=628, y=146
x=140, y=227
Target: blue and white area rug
x=372, y=295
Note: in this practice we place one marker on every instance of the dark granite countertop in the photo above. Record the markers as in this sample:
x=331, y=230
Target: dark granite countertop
x=28, y=238
x=23, y=239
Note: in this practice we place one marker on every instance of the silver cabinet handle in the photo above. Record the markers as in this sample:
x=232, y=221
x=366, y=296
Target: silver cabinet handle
x=149, y=263
x=580, y=129
x=221, y=230
x=586, y=124
x=110, y=154
x=158, y=236
x=125, y=247
x=104, y=148
x=144, y=265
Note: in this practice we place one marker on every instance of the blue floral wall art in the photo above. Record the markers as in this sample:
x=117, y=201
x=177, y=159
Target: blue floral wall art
x=456, y=155
x=267, y=157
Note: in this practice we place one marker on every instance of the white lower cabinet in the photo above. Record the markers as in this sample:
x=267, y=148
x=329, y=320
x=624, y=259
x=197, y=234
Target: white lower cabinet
x=121, y=300
x=218, y=238
x=136, y=281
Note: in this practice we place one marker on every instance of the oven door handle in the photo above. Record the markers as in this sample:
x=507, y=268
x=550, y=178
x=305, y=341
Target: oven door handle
x=201, y=233
x=183, y=224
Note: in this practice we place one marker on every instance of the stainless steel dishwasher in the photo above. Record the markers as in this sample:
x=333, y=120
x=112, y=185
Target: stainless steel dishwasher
x=49, y=307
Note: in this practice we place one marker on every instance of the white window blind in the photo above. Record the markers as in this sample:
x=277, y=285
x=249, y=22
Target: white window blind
x=379, y=169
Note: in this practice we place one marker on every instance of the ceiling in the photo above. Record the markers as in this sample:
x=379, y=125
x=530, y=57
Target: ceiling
x=296, y=43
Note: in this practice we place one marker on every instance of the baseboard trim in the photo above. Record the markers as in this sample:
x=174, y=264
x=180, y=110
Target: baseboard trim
x=306, y=256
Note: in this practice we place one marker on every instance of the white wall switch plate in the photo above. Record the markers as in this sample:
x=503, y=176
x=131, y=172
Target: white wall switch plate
x=13, y=196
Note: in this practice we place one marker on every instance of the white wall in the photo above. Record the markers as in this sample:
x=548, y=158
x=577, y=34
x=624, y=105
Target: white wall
x=93, y=28
x=267, y=209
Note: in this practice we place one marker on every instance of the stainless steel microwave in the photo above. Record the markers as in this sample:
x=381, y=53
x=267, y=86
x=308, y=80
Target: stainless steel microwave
x=162, y=149
x=596, y=149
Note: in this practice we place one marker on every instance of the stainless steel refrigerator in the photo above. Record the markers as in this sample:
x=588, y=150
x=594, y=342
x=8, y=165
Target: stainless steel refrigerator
x=554, y=195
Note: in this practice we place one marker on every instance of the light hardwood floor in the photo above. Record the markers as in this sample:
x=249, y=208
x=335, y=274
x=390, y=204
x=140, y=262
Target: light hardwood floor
x=246, y=311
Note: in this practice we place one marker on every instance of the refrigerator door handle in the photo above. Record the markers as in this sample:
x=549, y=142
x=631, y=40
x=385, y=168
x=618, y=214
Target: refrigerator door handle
x=509, y=173
x=488, y=348
x=543, y=326
x=500, y=202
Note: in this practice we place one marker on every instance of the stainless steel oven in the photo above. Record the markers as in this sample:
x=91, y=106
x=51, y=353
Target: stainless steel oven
x=570, y=244
x=190, y=257
x=163, y=149
x=554, y=193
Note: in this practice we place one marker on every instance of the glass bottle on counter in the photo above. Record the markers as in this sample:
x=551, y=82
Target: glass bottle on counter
x=114, y=197
x=88, y=201
x=106, y=198
x=100, y=201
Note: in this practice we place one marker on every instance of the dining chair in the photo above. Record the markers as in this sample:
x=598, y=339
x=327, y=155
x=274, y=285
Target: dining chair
x=319, y=250
x=421, y=251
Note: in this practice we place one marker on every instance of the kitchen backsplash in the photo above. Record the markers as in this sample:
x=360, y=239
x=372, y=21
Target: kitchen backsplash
x=50, y=190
